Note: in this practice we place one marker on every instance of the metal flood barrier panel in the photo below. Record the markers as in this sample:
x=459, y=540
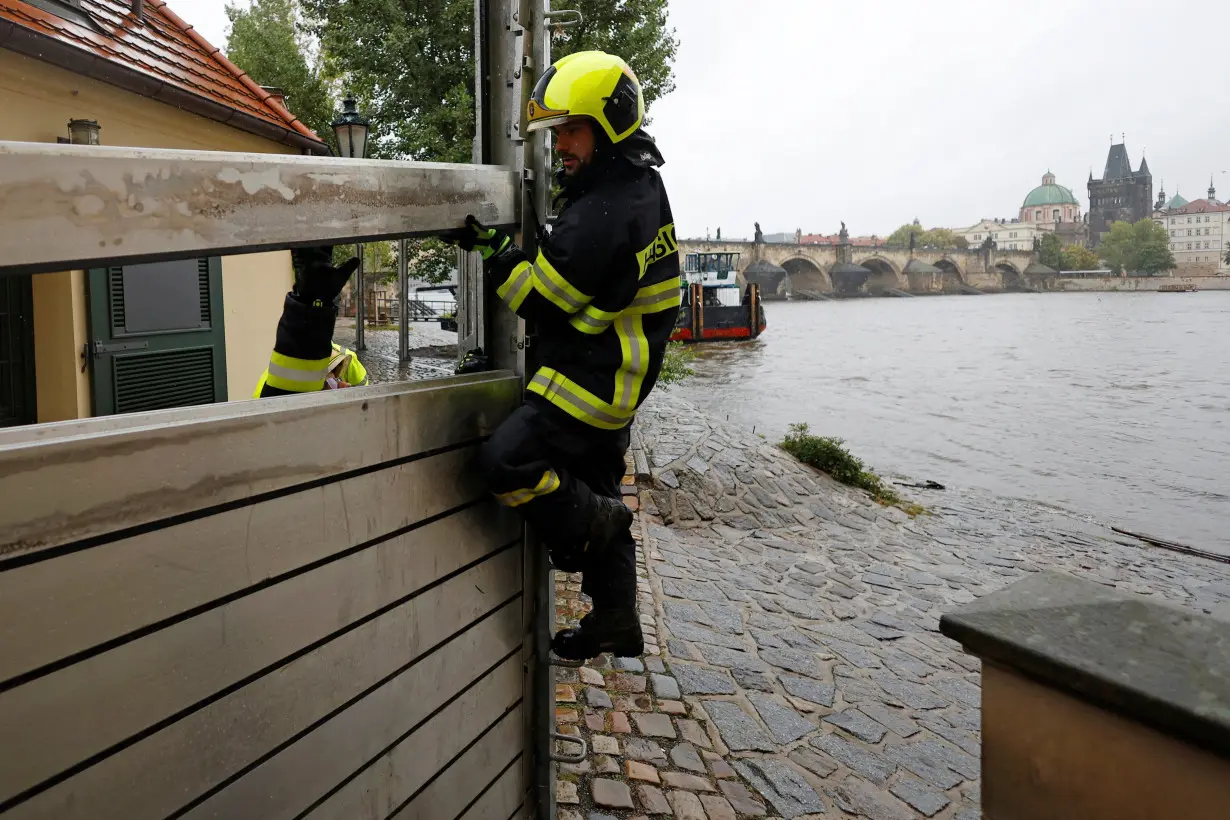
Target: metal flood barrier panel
x=302, y=607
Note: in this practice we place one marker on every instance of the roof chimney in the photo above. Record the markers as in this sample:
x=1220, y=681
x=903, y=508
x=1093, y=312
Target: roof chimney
x=138, y=9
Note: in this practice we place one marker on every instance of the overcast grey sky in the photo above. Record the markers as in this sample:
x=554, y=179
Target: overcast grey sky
x=803, y=113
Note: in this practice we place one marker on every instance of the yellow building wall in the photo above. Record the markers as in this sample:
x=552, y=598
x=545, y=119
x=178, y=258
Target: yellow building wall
x=38, y=99
x=60, y=333
x=254, y=287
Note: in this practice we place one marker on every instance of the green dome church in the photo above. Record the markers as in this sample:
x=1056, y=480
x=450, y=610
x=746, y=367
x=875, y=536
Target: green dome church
x=1050, y=204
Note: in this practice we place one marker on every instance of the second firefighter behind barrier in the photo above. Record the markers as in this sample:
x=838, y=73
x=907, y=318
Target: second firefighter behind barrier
x=603, y=295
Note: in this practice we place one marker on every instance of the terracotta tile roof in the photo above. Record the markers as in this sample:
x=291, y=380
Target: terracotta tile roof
x=1200, y=206
x=163, y=48
x=856, y=241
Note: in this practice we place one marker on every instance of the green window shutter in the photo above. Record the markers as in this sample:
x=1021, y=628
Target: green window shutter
x=172, y=357
x=168, y=378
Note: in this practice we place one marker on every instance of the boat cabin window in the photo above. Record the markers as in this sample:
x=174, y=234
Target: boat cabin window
x=722, y=264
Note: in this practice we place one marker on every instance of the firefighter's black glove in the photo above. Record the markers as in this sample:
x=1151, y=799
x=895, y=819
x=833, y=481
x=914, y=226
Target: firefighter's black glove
x=317, y=281
x=476, y=236
x=473, y=362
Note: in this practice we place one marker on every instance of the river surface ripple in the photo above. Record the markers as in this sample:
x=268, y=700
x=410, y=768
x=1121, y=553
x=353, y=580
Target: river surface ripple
x=1112, y=405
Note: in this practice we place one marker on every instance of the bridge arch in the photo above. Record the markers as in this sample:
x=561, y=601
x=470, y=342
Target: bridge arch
x=1011, y=277
x=884, y=275
x=953, y=277
x=804, y=274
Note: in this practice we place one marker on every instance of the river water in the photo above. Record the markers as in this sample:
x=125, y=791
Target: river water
x=1113, y=405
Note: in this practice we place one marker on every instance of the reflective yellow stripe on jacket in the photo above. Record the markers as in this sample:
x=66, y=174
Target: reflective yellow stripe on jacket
x=306, y=375
x=547, y=485
x=576, y=401
x=541, y=275
x=649, y=299
x=296, y=375
x=627, y=323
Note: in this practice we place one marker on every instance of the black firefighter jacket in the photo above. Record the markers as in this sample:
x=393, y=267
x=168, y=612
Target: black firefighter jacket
x=603, y=294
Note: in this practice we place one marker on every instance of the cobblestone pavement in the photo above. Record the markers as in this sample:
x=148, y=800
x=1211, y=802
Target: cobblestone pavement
x=794, y=667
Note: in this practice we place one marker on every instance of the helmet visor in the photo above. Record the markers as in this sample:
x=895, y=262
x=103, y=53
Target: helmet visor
x=538, y=113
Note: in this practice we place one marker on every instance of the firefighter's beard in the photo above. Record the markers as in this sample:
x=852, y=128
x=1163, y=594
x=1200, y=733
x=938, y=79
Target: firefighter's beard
x=572, y=164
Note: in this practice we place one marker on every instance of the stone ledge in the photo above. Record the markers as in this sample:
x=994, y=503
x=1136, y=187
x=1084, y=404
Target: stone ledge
x=1155, y=664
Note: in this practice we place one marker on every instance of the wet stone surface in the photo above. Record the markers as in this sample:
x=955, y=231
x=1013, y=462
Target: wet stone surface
x=794, y=665
x=433, y=352
x=782, y=785
x=739, y=732
x=798, y=593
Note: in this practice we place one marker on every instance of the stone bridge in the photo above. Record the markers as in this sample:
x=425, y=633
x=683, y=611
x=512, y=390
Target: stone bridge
x=808, y=267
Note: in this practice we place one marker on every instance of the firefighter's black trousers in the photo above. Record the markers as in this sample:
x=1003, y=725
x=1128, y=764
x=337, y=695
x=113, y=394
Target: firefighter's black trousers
x=549, y=469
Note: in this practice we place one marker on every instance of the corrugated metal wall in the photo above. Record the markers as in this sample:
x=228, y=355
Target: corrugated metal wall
x=299, y=607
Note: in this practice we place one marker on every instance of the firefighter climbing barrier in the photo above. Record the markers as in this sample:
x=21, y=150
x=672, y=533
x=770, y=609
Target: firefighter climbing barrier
x=295, y=607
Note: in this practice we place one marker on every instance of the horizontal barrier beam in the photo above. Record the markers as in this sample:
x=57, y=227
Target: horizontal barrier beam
x=70, y=206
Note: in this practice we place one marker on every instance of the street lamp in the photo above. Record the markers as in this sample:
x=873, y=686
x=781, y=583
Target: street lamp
x=350, y=129
x=84, y=132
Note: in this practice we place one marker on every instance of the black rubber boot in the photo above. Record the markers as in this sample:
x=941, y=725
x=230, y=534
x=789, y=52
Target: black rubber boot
x=617, y=631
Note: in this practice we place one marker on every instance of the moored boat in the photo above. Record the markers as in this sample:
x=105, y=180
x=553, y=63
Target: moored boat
x=714, y=307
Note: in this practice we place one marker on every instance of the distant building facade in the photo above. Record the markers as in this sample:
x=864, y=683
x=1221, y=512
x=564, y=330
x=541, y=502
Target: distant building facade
x=1008, y=235
x=1199, y=233
x=1121, y=195
x=836, y=239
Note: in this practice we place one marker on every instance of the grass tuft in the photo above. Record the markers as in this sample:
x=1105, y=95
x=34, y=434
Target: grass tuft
x=676, y=364
x=828, y=455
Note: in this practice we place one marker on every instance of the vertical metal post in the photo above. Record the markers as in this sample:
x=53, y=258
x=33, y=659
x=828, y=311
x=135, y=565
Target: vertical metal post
x=471, y=301
x=403, y=302
x=512, y=47
x=360, y=313
x=534, y=57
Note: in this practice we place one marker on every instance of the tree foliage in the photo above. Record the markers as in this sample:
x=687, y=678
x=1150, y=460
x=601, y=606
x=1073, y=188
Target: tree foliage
x=1077, y=257
x=411, y=63
x=934, y=238
x=676, y=365
x=1050, y=250
x=1140, y=248
x=266, y=41
x=431, y=260
x=635, y=30
x=380, y=261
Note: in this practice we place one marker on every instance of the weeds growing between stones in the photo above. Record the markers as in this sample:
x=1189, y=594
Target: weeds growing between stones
x=828, y=455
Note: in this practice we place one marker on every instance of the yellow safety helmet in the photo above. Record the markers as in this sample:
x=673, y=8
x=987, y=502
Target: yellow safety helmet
x=590, y=84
